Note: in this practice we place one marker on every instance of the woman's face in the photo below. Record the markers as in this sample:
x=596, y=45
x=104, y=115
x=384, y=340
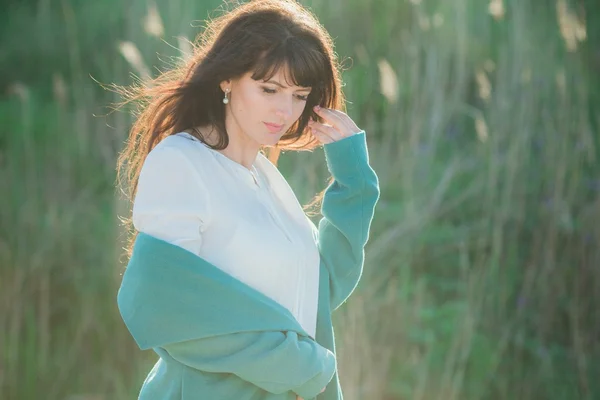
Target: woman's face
x=263, y=111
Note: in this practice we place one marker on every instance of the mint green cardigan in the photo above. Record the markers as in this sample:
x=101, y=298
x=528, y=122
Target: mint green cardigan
x=219, y=339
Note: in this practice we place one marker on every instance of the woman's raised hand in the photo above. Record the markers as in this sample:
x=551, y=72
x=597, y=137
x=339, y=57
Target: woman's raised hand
x=338, y=125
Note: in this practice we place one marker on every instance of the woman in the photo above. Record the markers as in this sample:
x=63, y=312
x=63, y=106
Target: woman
x=229, y=281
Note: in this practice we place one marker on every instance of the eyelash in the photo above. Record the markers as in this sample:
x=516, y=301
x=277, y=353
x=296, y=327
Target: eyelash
x=272, y=91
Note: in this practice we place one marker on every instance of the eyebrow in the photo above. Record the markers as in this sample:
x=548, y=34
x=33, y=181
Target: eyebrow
x=281, y=86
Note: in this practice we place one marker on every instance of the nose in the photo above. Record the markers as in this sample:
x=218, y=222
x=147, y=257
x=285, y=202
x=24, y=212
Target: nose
x=284, y=108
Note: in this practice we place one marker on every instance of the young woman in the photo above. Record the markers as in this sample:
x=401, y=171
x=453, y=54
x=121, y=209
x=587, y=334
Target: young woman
x=229, y=281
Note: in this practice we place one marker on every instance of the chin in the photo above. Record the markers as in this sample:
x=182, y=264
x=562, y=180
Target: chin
x=271, y=139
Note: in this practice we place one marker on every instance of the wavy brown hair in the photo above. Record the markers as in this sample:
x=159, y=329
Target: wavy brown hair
x=260, y=36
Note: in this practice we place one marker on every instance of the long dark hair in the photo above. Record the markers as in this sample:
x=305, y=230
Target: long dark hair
x=260, y=36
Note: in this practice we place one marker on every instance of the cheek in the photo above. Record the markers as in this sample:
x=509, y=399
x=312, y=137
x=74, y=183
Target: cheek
x=247, y=103
x=299, y=109
x=258, y=103
x=250, y=99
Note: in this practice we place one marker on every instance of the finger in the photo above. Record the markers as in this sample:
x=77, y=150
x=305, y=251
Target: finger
x=323, y=138
x=346, y=124
x=342, y=115
x=331, y=117
x=324, y=134
x=328, y=130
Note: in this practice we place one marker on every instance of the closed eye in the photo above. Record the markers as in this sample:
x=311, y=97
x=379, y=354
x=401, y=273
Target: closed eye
x=273, y=91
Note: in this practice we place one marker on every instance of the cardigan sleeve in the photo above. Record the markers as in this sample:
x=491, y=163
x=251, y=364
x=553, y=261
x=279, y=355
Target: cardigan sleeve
x=172, y=201
x=275, y=361
x=348, y=208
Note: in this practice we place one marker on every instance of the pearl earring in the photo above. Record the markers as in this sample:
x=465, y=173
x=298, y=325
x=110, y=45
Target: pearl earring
x=225, y=99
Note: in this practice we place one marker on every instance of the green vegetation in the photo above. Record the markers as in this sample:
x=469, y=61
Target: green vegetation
x=481, y=277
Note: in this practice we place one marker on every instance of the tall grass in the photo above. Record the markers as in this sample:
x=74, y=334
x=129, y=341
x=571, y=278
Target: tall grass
x=479, y=280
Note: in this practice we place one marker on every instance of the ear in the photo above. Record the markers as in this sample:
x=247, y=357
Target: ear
x=226, y=84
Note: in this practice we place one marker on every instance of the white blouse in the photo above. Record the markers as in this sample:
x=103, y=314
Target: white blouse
x=247, y=223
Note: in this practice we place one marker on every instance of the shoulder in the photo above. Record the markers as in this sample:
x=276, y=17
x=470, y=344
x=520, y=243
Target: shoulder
x=172, y=199
x=177, y=163
x=182, y=144
x=179, y=152
x=173, y=176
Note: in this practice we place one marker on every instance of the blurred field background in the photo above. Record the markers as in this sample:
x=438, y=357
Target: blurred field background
x=481, y=278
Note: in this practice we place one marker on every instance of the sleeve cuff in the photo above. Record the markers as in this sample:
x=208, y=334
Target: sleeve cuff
x=312, y=388
x=345, y=156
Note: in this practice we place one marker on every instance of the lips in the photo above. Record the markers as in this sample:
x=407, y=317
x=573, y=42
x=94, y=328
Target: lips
x=273, y=128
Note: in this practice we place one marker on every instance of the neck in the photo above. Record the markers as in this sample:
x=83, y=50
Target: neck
x=241, y=148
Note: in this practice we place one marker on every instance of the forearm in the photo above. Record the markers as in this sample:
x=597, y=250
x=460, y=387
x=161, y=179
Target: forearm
x=348, y=209
x=274, y=361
